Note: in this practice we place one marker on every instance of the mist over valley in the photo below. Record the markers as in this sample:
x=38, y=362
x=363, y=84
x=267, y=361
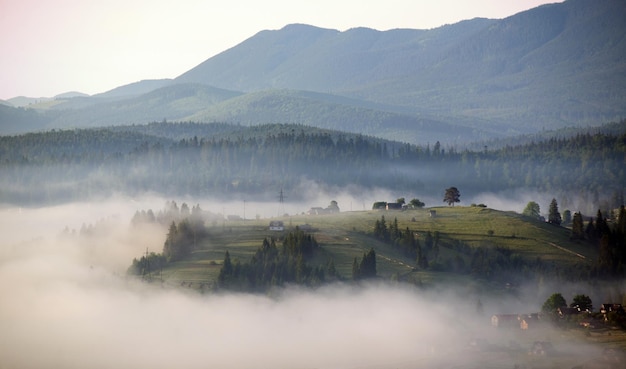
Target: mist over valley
x=314, y=198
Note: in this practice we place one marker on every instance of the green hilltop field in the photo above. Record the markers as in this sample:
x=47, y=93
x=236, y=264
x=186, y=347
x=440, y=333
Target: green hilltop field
x=509, y=241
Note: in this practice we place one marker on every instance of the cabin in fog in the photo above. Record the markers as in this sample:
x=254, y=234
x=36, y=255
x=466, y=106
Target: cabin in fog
x=607, y=308
x=277, y=225
x=567, y=311
x=432, y=213
x=394, y=206
x=527, y=321
x=505, y=320
x=317, y=211
x=516, y=321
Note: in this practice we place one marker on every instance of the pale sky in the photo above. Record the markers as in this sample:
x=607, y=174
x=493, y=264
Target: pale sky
x=49, y=47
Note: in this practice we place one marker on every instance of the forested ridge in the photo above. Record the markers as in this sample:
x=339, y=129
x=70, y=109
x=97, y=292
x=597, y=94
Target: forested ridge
x=64, y=165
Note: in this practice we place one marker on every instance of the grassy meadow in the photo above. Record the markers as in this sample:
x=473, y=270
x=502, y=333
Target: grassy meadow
x=347, y=235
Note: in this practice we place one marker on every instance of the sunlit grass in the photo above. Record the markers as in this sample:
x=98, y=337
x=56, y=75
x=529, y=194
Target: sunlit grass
x=346, y=236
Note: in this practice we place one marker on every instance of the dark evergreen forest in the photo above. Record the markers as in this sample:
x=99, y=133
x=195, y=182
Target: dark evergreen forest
x=229, y=160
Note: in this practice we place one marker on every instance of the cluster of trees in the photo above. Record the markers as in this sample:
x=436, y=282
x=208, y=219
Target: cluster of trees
x=182, y=239
x=366, y=269
x=187, y=228
x=272, y=266
x=610, y=237
x=147, y=265
x=533, y=210
x=76, y=164
x=170, y=213
x=613, y=315
x=406, y=241
x=556, y=301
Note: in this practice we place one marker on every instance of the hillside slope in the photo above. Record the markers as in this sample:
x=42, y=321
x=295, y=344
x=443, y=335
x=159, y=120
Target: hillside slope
x=511, y=249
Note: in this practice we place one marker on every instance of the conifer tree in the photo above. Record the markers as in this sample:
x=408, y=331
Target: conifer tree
x=356, y=275
x=554, y=217
x=577, y=227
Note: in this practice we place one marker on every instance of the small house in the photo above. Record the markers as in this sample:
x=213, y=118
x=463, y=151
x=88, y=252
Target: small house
x=277, y=225
x=432, y=213
x=317, y=211
x=607, y=308
x=567, y=311
x=394, y=206
x=527, y=321
x=505, y=320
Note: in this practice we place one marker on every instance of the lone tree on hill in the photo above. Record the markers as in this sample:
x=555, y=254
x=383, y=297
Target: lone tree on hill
x=451, y=196
x=554, y=217
x=532, y=210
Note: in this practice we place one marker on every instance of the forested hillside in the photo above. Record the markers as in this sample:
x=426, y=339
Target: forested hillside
x=586, y=170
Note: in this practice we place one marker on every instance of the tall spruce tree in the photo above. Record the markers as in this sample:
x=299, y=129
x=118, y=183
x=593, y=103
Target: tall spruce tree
x=554, y=217
x=578, y=232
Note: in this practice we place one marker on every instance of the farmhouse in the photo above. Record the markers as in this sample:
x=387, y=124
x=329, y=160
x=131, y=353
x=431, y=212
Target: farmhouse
x=318, y=211
x=394, y=206
x=567, y=311
x=277, y=225
x=527, y=321
x=607, y=308
x=505, y=320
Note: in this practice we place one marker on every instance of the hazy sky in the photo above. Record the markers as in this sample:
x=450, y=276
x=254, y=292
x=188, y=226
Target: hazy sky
x=54, y=46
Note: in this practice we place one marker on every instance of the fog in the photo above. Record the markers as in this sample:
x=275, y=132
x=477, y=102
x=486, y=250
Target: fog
x=66, y=303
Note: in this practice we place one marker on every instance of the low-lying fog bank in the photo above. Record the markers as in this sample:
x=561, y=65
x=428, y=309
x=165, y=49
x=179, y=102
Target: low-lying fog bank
x=67, y=304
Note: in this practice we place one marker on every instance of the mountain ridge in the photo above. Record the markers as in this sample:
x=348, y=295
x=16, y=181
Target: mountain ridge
x=554, y=66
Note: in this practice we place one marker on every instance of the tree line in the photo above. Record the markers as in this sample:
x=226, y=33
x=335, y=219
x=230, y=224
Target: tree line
x=76, y=164
x=274, y=266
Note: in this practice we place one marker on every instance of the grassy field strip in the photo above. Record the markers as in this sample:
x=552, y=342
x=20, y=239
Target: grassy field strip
x=566, y=250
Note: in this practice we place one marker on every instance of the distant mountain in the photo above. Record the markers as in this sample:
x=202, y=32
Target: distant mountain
x=19, y=120
x=330, y=112
x=173, y=102
x=70, y=94
x=135, y=89
x=21, y=101
x=554, y=66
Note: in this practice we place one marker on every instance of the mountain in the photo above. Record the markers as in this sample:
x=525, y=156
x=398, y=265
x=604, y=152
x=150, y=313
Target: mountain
x=135, y=89
x=172, y=102
x=554, y=66
x=23, y=101
x=70, y=94
x=331, y=111
x=19, y=120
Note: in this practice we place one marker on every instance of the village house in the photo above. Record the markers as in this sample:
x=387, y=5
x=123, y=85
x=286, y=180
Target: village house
x=394, y=206
x=517, y=321
x=277, y=225
x=505, y=320
x=567, y=311
x=527, y=321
